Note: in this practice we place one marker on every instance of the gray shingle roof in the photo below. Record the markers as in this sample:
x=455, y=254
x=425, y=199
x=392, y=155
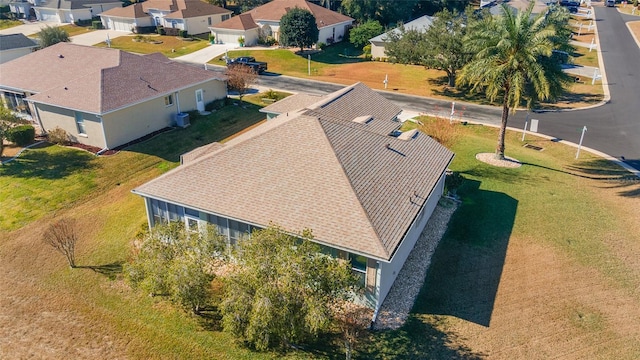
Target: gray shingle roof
x=16, y=41
x=317, y=171
x=97, y=80
x=72, y=4
x=291, y=103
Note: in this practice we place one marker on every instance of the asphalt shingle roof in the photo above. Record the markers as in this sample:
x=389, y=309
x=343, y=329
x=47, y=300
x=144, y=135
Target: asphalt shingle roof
x=420, y=24
x=355, y=186
x=240, y=22
x=97, y=80
x=15, y=41
x=274, y=10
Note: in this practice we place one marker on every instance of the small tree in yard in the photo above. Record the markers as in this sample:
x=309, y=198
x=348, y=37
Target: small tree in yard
x=51, y=35
x=352, y=320
x=61, y=235
x=174, y=262
x=282, y=289
x=240, y=78
x=7, y=120
x=360, y=35
x=298, y=28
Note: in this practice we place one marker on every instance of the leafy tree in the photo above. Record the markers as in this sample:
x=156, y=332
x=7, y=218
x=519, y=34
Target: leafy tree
x=61, y=235
x=246, y=5
x=174, y=262
x=221, y=3
x=282, y=289
x=298, y=28
x=360, y=35
x=240, y=77
x=439, y=47
x=51, y=35
x=387, y=12
x=513, y=60
x=7, y=120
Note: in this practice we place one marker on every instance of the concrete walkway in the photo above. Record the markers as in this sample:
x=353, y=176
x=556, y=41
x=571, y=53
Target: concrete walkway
x=204, y=55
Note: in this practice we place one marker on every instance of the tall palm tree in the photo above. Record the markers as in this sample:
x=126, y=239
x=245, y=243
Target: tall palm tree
x=514, y=61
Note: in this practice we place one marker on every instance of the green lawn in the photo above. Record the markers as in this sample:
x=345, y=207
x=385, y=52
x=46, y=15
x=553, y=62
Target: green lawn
x=537, y=203
x=71, y=29
x=170, y=47
x=6, y=24
x=582, y=56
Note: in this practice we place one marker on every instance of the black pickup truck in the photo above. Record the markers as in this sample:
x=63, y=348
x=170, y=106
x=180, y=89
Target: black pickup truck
x=258, y=66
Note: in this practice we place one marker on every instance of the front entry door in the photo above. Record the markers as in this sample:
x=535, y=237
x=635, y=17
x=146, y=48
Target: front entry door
x=199, y=100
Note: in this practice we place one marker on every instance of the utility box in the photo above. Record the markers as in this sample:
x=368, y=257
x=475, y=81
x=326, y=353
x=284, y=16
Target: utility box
x=182, y=120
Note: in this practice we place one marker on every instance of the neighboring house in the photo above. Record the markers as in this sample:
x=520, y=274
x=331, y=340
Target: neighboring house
x=15, y=45
x=264, y=21
x=193, y=16
x=70, y=11
x=379, y=42
x=105, y=97
x=338, y=167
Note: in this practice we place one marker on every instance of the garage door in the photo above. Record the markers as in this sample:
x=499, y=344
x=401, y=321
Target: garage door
x=49, y=16
x=227, y=38
x=121, y=25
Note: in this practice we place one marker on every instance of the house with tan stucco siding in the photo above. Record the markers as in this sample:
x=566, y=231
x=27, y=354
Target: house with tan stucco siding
x=104, y=97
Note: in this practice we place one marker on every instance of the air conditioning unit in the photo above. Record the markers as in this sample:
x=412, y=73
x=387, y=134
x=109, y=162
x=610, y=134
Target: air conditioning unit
x=182, y=119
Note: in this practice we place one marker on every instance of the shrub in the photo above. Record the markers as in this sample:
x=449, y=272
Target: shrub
x=58, y=136
x=212, y=38
x=160, y=30
x=183, y=33
x=367, y=49
x=96, y=25
x=321, y=45
x=21, y=135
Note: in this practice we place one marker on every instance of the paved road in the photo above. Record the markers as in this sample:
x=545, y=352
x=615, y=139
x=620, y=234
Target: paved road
x=613, y=128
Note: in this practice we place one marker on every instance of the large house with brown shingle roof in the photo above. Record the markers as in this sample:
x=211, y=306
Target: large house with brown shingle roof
x=104, y=97
x=192, y=16
x=338, y=166
x=264, y=21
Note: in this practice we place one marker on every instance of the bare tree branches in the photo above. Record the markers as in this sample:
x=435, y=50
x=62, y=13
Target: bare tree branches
x=61, y=235
x=240, y=78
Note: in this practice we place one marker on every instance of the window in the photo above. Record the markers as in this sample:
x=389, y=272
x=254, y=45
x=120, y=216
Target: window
x=359, y=266
x=192, y=224
x=237, y=231
x=158, y=210
x=209, y=20
x=225, y=17
x=80, y=123
x=168, y=100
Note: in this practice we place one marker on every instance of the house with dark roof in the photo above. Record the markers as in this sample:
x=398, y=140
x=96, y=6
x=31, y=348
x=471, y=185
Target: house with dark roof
x=13, y=46
x=264, y=21
x=70, y=11
x=104, y=97
x=338, y=166
x=192, y=16
x=378, y=43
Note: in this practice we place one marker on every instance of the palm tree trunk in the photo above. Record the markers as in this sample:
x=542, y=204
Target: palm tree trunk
x=503, y=125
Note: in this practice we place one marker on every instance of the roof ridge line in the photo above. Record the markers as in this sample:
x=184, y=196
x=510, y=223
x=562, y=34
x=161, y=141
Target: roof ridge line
x=353, y=190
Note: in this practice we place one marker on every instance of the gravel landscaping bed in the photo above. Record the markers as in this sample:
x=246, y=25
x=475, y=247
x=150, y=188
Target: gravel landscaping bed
x=398, y=303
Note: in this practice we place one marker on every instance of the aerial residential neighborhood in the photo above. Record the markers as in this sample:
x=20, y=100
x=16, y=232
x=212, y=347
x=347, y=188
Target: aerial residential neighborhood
x=318, y=179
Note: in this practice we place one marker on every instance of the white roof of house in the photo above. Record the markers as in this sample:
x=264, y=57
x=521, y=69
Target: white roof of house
x=421, y=24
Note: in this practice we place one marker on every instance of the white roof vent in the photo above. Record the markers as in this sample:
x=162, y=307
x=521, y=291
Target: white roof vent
x=408, y=135
x=363, y=119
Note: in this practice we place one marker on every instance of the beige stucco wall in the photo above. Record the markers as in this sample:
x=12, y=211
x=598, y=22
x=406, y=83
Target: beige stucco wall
x=130, y=123
x=388, y=271
x=52, y=117
x=200, y=24
x=136, y=121
x=327, y=32
x=377, y=50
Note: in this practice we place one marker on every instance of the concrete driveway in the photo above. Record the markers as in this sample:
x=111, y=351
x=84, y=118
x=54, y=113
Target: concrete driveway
x=96, y=36
x=28, y=28
x=206, y=54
